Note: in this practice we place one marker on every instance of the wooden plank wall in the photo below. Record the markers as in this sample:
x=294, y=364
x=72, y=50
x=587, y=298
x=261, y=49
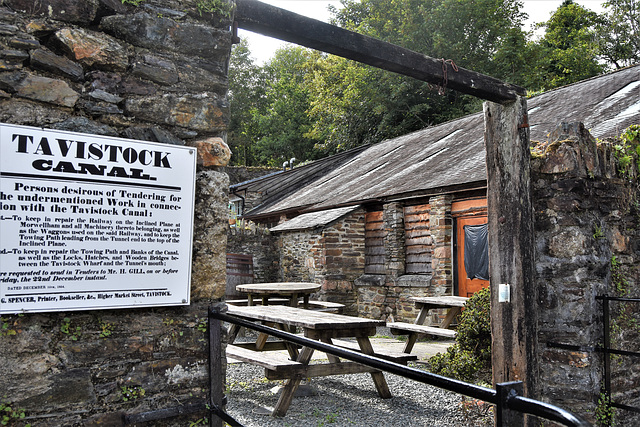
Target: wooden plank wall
x=418, y=241
x=374, y=243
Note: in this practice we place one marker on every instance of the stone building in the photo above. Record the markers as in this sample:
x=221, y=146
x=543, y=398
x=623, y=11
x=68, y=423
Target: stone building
x=388, y=223
x=415, y=196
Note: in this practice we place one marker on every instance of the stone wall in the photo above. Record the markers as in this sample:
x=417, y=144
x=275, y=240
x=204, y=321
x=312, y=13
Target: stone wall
x=154, y=72
x=252, y=239
x=587, y=230
x=332, y=256
x=387, y=296
x=238, y=174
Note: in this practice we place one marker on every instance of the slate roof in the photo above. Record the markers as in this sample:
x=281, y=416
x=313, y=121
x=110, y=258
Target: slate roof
x=450, y=155
x=314, y=219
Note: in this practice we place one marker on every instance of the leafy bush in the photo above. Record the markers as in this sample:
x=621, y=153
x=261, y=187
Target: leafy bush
x=469, y=359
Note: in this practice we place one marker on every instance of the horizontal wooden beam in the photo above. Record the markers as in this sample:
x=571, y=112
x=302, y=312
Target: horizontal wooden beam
x=271, y=21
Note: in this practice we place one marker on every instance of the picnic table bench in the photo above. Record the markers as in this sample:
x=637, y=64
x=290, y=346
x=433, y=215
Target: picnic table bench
x=329, y=328
x=454, y=305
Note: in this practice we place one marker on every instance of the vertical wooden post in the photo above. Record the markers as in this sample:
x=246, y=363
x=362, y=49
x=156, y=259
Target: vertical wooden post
x=514, y=324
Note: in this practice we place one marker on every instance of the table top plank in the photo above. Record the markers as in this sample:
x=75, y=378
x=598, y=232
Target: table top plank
x=279, y=288
x=302, y=318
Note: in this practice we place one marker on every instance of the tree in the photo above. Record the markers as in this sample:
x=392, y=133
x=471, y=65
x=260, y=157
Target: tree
x=619, y=33
x=247, y=83
x=284, y=123
x=570, y=45
x=353, y=104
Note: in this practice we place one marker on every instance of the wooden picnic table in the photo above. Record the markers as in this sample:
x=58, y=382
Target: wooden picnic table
x=321, y=326
x=454, y=305
x=291, y=290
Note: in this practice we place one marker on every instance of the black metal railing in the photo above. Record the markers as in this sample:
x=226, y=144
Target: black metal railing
x=511, y=406
x=608, y=351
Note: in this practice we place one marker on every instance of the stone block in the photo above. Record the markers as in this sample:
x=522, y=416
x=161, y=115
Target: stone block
x=164, y=34
x=212, y=152
x=156, y=69
x=93, y=49
x=204, y=112
x=46, y=60
x=48, y=90
x=82, y=12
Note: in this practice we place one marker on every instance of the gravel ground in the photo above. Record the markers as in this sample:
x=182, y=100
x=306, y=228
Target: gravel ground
x=348, y=400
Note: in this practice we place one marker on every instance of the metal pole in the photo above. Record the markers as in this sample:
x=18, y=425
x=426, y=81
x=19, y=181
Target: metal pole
x=215, y=370
x=506, y=416
x=607, y=347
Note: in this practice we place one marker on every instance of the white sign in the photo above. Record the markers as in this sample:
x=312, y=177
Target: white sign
x=92, y=222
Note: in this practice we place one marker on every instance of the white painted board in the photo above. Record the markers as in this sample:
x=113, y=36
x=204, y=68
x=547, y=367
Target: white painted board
x=93, y=222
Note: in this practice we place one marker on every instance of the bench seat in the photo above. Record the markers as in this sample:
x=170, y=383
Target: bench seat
x=326, y=306
x=271, y=360
x=402, y=328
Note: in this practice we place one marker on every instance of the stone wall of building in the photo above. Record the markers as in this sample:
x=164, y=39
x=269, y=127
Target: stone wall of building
x=154, y=72
x=238, y=174
x=255, y=240
x=587, y=230
x=332, y=256
x=388, y=296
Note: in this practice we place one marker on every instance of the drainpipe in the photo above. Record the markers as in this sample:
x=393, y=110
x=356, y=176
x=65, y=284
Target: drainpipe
x=241, y=198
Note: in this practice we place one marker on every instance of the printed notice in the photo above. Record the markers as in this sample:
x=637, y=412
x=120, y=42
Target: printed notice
x=92, y=222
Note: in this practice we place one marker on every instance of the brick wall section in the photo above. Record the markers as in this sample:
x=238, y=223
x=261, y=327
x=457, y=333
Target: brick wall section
x=157, y=72
x=441, y=230
x=393, y=217
x=586, y=213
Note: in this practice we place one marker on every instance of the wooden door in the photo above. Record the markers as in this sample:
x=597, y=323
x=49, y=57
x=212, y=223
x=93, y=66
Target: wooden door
x=466, y=286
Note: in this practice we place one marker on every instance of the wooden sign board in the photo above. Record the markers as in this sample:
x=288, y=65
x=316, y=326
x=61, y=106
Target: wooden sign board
x=92, y=222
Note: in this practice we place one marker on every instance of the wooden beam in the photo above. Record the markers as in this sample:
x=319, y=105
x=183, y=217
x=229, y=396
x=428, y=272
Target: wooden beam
x=514, y=325
x=271, y=21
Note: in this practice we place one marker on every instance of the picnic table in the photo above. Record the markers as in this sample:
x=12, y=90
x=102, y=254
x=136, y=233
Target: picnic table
x=453, y=304
x=290, y=290
x=322, y=326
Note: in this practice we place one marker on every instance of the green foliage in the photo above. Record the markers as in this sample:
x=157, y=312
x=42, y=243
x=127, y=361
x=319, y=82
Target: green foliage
x=598, y=234
x=619, y=33
x=306, y=104
x=353, y=104
x=618, y=279
x=73, y=333
x=469, y=359
x=627, y=150
x=133, y=2
x=131, y=392
x=5, y=328
x=269, y=124
x=106, y=329
x=570, y=46
x=9, y=415
x=604, y=413
x=218, y=7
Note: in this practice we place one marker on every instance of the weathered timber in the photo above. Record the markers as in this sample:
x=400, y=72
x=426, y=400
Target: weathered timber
x=511, y=256
x=274, y=22
x=272, y=361
x=402, y=328
x=320, y=370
